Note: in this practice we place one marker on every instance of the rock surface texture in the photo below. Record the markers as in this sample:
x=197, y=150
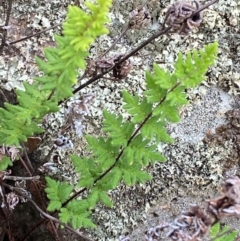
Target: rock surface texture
x=201, y=157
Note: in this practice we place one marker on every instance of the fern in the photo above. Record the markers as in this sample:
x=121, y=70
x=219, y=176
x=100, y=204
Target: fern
x=76, y=213
x=57, y=192
x=224, y=234
x=4, y=163
x=119, y=132
x=129, y=145
x=138, y=110
x=60, y=69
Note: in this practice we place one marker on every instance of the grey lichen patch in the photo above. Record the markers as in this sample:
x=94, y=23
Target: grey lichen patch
x=226, y=133
x=205, y=113
x=26, y=19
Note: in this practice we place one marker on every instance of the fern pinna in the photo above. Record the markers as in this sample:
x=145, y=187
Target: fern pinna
x=225, y=234
x=60, y=72
x=128, y=147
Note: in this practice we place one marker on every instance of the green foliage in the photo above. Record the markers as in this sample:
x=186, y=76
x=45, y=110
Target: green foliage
x=76, y=212
x=4, y=163
x=128, y=146
x=215, y=232
x=119, y=132
x=57, y=193
x=138, y=110
x=191, y=70
x=131, y=145
x=60, y=68
x=80, y=31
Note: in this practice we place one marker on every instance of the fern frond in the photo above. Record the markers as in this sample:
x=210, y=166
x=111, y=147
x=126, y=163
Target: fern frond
x=138, y=110
x=129, y=144
x=4, y=163
x=132, y=172
x=111, y=180
x=167, y=112
x=15, y=130
x=76, y=212
x=154, y=92
x=118, y=131
x=216, y=231
x=177, y=97
x=57, y=193
x=104, y=151
x=163, y=78
x=140, y=151
x=191, y=70
x=155, y=129
x=60, y=69
x=83, y=28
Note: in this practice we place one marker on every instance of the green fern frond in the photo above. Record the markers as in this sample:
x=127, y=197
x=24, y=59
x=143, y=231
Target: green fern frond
x=154, y=92
x=190, y=71
x=118, y=131
x=153, y=128
x=138, y=110
x=60, y=69
x=140, y=150
x=76, y=212
x=216, y=231
x=82, y=27
x=57, y=193
x=4, y=163
x=132, y=172
x=129, y=145
x=103, y=150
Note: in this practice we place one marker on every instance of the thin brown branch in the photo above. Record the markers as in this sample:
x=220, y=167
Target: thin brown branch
x=99, y=76
x=4, y=96
x=163, y=31
x=122, y=34
x=203, y=7
x=37, y=191
x=35, y=34
x=46, y=215
x=25, y=166
x=49, y=154
x=33, y=229
x=27, y=158
x=115, y=42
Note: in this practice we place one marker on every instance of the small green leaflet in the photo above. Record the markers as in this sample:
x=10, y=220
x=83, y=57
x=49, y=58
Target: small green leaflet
x=163, y=78
x=177, y=97
x=57, y=193
x=155, y=129
x=216, y=231
x=132, y=173
x=139, y=110
x=154, y=92
x=4, y=163
x=167, y=112
x=118, y=131
x=77, y=213
x=103, y=150
x=98, y=195
x=191, y=70
x=139, y=151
